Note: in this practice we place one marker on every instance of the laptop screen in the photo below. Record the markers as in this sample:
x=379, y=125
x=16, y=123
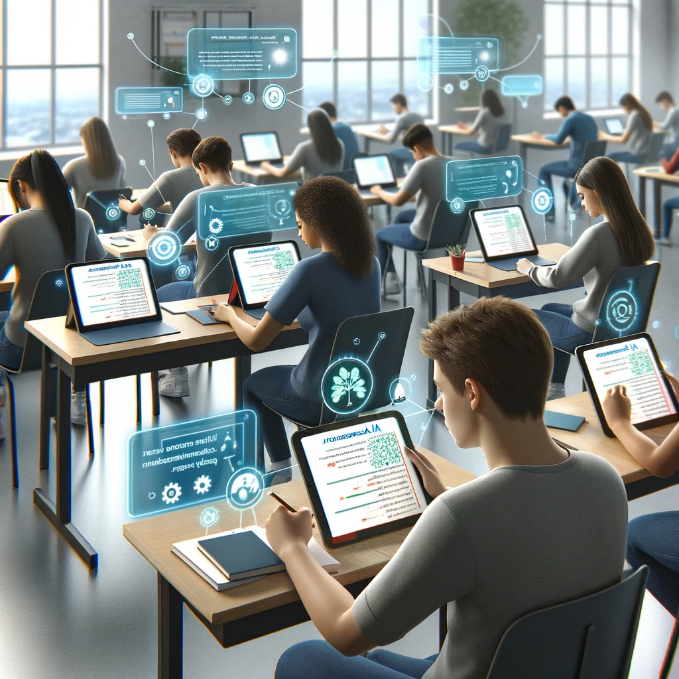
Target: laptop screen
x=504, y=231
x=371, y=170
x=110, y=292
x=260, y=147
x=6, y=203
x=614, y=125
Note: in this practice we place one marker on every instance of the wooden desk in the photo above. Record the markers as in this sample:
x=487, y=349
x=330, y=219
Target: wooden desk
x=658, y=178
x=590, y=438
x=185, y=305
x=258, y=608
x=254, y=172
x=81, y=363
x=371, y=200
x=528, y=141
x=140, y=246
x=447, y=133
x=369, y=133
x=481, y=280
x=7, y=284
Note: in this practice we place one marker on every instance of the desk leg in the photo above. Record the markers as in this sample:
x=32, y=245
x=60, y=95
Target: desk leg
x=243, y=369
x=366, y=144
x=59, y=513
x=45, y=407
x=642, y=196
x=657, y=207
x=170, y=631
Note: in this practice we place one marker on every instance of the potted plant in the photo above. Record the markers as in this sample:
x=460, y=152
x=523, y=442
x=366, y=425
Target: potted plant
x=456, y=253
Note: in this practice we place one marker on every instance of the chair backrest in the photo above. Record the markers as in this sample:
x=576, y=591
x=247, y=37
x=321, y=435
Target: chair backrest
x=379, y=340
x=349, y=176
x=589, y=638
x=504, y=134
x=654, y=147
x=593, y=149
x=160, y=219
x=97, y=202
x=50, y=299
x=626, y=304
x=450, y=227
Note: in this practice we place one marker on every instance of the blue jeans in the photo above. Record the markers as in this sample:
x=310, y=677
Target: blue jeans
x=653, y=540
x=272, y=387
x=668, y=150
x=10, y=354
x=564, y=334
x=397, y=234
x=668, y=209
x=319, y=660
x=473, y=147
x=625, y=157
x=176, y=292
x=560, y=168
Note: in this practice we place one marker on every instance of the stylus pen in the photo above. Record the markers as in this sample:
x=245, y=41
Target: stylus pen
x=281, y=501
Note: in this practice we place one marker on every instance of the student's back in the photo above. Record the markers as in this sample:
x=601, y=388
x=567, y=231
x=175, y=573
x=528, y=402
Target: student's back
x=427, y=180
x=347, y=136
x=79, y=176
x=171, y=187
x=306, y=158
x=582, y=128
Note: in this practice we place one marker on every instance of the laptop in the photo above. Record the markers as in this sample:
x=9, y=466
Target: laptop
x=374, y=170
x=614, y=126
x=505, y=237
x=261, y=146
x=6, y=202
x=258, y=271
x=115, y=301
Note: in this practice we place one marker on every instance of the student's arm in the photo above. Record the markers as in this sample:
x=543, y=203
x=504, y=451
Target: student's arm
x=396, y=131
x=661, y=460
x=624, y=137
x=563, y=133
x=480, y=118
x=182, y=221
x=295, y=162
x=399, y=198
x=93, y=248
x=153, y=197
x=255, y=338
x=68, y=173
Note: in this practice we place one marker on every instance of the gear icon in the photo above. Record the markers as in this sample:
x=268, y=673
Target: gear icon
x=216, y=225
x=152, y=496
x=202, y=484
x=171, y=493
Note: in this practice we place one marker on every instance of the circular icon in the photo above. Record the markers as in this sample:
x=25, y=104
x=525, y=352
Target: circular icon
x=282, y=207
x=656, y=324
x=228, y=99
x=347, y=385
x=166, y=115
x=357, y=341
x=524, y=104
x=457, y=205
x=182, y=272
x=164, y=247
x=201, y=114
x=142, y=162
x=150, y=123
x=449, y=88
x=130, y=36
x=113, y=213
x=464, y=85
x=211, y=243
x=425, y=83
x=400, y=390
x=542, y=201
x=216, y=225
x=381, y=336
x=482, y=73
x=203, y=85
x=244, y=489
x=273, y=97
x=286, y=38
x=149, y=213
x=621, y=311
x=248, y=98
x=209, y=517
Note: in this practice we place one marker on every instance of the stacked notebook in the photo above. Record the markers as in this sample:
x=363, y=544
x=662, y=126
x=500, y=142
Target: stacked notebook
x=236, y=557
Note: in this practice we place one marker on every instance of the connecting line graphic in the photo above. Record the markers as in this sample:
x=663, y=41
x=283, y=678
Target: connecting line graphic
x=297, y=105
x=153, y=155
x=154, y=63
x=424, y=429
x=530, y=54
x=380, y=337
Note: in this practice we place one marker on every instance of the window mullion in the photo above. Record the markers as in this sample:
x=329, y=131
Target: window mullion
x=53, y=74
x=369, y=60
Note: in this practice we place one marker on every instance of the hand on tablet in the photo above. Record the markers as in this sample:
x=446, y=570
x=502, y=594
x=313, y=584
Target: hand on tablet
x=430, y=477
x=286, y=529
x=224, y=313
x=524, y=266
x=616, y=405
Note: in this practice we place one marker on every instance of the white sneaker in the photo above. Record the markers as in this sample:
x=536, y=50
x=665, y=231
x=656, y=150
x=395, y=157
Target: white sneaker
x=281, y=472
x=665, y=241
x=174, y=383
x=2, y=428
x=391, y=285
x=78, y=410
x=556, y=390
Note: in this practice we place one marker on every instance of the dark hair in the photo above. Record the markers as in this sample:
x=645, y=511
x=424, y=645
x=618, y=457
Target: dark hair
x=42, y=173
x=630, y=101
x=501, y=344
x=336, y=212
x=664, y=96
x=183, y=141
x=491, y=100
x=100, y=150
x=215, y=152
x=605, y=176
x=323, y=135
x=399, y=99
x=418, y=135
x=565, y=102
x=329, y=108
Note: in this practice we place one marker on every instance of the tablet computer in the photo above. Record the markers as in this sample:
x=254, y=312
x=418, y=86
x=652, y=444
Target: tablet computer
x=261, y=146
x=614, y=126
x=359, y=478
x=374, y=170
x=632, y=361
x=259, y=270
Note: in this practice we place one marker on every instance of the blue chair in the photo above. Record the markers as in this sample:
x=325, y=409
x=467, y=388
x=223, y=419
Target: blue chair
x=593, y=149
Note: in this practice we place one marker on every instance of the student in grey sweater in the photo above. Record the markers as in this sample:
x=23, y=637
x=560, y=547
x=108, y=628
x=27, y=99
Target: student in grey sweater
x=622, y=239
x=637, y=133
x=405, y=119
x=670, y=125
x=543, y=527
x=487, y=124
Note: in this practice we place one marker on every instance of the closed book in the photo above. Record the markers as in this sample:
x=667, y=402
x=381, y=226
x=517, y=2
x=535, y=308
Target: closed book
x=241, y=555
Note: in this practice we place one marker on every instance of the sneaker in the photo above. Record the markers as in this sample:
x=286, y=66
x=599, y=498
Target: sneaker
x=279, y=472
x=556, y=390
x=391, y=285
x=174, y=383
x=78, y=410
x=665, y=241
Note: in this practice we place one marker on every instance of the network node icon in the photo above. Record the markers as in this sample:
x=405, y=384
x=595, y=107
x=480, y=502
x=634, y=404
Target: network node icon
x=464, y=85
x=166, y=115
x=245, y=488
x=457, y=205
x=273, y=97
x=182, y=272
x=542, y=201
x=211, y=243
x=248, y=98
x=209, y=517
x=449, y=88
x=201, y=114
x=347, y=386
x=203, y=85
x=149, y=213
x=482, y=73
x=228, y=100
x=621, y=311
x=171, y=493
x=150, y=123
x=425, y=83
x=202, y=484
x=216, y=225
x=164, y=248
x=113, y=213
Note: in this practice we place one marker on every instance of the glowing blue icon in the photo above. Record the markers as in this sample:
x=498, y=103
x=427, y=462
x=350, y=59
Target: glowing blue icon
x=656, y=324
x=457, y=205
x=166, y=115
x=59, y=282
x=621, y=311
x=413, y=377
x=150, y=123
x=522, y=85
x=113, y=213
x=346, y=379
x=245, y=488
x=202, y=484
x=211, y=243
x=464, y=85
x=216, y=226
x=142, y=162
x=164, y=248
x=425, y=83
x=357, y=341
x=152, y=496
x=542, y=201
x=149, y=213
x=449, y=88
x=130, y=36
x=273, y=97
x=248, y=98
x=209, y=517
x=201, y=114
x=203, y=85
x=381, y=336
x=400, y=390
x=482, y=73
x=182, y=272
x=457, y=55
x=171, y=493
x=228, y=100
x=484, y=178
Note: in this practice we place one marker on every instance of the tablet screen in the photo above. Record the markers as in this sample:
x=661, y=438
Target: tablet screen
x=614, y=125
x=363, y=476
x=633, y=364
x=259, y=147
x=504, y=231
x=373, y=170
x=262, y=269
x=111, y=292
x=6, y=203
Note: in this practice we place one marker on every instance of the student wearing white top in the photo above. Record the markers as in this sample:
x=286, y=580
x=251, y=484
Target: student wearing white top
x=487, y=124
x=100, y=168
x=323, y=153
x=670, y=125
x=637, y=133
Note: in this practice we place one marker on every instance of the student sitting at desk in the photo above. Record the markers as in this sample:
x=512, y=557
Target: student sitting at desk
x=324, y=152
x=174, y=185
x=492, y=550
x=652, y=539
x=344, y=133
x=100, y=168
x=46, y=235
x=670, y=125
x=580, y=128
x=622, y=239
x=320, y=292
x=405, y=119
x=487, y=124
x=427, y=180
x=637, y=133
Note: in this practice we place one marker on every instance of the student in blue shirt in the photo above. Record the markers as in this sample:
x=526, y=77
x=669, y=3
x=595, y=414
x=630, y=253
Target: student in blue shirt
x=344, y=133
x=321, y=292
x=581, y=128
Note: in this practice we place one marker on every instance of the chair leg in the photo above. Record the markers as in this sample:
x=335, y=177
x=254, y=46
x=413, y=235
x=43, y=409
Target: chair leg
x=138, y=399
x=155, y=395
x=88, y=415
x=102, y=400
x=405, y=276
x=11, y=403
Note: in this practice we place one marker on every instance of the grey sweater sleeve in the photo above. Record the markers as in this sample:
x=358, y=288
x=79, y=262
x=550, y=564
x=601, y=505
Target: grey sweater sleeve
x=183, y=220
x=399, y=127
x=481, y=120
x=6, y=249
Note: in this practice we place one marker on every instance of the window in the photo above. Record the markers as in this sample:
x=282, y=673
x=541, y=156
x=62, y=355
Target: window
x=50, y=70
x=588, y=52
x=376, y=44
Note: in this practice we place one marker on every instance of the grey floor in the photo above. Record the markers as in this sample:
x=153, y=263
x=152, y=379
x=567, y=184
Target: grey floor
x=60, y=620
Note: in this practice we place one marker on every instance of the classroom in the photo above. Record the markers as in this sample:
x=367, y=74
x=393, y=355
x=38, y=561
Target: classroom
x=339, y=339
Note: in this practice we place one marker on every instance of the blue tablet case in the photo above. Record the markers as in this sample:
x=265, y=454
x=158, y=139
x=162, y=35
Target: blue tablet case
x=129, y=332
x=510, y=264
